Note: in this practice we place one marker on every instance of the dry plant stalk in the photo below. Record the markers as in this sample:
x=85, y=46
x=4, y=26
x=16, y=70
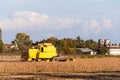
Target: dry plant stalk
x=80, y=65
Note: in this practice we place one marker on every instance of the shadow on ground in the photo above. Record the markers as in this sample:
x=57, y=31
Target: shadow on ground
x=65, y=76
x=87, y=76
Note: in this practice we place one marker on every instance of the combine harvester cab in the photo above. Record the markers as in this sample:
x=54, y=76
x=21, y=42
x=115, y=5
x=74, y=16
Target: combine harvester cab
x=46, y=52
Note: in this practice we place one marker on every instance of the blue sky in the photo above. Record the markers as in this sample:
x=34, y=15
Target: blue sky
x=41, y=19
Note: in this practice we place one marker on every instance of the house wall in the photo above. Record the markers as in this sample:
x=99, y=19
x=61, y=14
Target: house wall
x=114, y=51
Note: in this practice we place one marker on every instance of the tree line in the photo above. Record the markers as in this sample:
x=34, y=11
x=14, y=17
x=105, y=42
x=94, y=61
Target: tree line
x=71, y=46
x=64, y=46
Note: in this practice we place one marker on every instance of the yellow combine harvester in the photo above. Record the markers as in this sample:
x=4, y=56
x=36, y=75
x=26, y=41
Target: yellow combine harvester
x=46, y=52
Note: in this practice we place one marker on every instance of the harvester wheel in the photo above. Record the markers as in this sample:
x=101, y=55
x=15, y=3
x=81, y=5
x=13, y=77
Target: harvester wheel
x=39, y=60
x=54, y=59
x=30, y=59
x=69, y=60
x=47, y=60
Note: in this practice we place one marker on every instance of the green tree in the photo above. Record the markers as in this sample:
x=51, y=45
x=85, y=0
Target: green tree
x=91, y=44
x=2, y=48
x=69, y=45
x=79, y=42
x=52, y=40
x=22, y=40
x=102, y=50
x=69, y=42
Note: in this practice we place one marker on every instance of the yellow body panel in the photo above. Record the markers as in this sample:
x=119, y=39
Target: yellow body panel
x=47, y=54
x=33, y=53
x=47, y=51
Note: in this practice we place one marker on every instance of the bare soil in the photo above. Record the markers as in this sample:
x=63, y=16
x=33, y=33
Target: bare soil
x=11, y=68
x=62, y=76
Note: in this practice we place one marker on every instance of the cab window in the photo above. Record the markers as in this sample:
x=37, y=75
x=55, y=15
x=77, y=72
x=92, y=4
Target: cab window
x=42, y=50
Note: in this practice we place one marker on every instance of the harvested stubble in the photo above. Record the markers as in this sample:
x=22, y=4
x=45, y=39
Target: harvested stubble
x=80, y=65
x=17, y=57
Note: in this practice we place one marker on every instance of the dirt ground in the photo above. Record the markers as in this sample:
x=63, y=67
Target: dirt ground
x=62, y=76
x=81, y=69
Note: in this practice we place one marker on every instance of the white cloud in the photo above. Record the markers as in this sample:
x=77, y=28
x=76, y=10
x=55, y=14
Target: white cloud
x=94, y=23
x=27, y=19
x=47, y=26
x=95, y=26
x=32, y=16
x=91, y=25
x=107, y=23
x=63, y=22
x=33, y=20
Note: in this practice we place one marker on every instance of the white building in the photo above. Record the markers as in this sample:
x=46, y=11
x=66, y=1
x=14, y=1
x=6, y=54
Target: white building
x=114, y=50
